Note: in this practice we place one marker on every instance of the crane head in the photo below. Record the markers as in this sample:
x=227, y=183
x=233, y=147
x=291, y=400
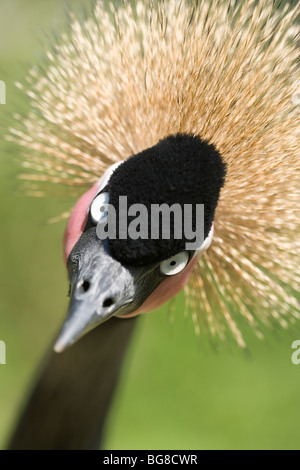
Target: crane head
x=133, y=239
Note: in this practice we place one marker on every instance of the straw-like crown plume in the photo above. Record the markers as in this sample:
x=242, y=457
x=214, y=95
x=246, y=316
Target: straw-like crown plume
x=118, y=82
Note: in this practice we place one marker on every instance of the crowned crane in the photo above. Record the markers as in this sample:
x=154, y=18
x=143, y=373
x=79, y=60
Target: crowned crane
x=176, y=104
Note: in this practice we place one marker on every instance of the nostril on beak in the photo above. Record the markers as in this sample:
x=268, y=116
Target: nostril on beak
x=108, y=302
x=84, y=286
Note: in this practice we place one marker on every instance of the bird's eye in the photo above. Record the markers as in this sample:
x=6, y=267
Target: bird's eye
x=99, y=208
x=175, y=264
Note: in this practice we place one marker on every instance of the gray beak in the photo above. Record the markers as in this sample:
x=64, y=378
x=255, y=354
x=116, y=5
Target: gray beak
x=100, y=288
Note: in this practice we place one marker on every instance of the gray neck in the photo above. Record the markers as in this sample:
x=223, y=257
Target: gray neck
x=69, y=403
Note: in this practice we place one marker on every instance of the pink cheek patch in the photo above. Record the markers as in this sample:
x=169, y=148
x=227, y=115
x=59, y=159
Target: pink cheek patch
x=165, y=291
x=77, y=220
x=79, y=214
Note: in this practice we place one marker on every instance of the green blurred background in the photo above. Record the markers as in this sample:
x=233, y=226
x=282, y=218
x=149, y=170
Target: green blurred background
x=175, y=392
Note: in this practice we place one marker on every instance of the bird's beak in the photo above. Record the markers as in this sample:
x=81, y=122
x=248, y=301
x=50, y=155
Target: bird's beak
x=100, y=287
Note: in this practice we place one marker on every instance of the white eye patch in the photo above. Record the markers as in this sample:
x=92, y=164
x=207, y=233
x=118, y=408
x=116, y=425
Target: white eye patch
x=206, y=244
x=98, y=208
x=106, y=176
